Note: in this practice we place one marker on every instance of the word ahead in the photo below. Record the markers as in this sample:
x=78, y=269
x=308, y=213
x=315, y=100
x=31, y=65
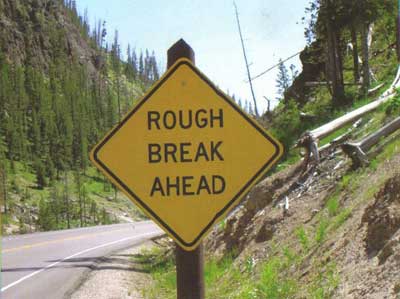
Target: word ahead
x=186, y=154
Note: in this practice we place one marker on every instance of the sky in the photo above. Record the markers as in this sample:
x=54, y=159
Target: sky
x=271, y=30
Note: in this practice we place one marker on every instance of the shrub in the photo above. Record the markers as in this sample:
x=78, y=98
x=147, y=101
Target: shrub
x=333, y=206
x=393, y=107
x=320, y=233
x=303, y=238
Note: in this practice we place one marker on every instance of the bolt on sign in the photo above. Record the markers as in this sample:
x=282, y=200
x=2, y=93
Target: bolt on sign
x=186, y=154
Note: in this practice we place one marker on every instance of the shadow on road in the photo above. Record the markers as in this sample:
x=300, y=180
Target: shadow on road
x=92, y=263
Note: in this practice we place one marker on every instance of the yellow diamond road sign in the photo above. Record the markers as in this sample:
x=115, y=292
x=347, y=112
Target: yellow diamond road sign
x=186, y=154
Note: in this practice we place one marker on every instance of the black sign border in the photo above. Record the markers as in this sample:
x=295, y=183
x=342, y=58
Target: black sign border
x=139, y=105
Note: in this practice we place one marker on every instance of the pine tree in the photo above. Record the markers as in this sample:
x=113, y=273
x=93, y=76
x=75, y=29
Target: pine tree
x=67, y=202
x=116, y=61
x=84, y=201
x=129, y=64
x=56, y=203
x=93, y=211
x=251, y=112
x=154, y=70
x=45, y=218
x=40, y=174
x=141, y=66
x=135, y=64
x=283, y=80
x=240, y=103
x=78, y=184
x=3, y=176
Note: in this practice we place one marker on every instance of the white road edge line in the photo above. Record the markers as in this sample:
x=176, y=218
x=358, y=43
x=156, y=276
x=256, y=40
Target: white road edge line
x=71, y=256
x=66, y=231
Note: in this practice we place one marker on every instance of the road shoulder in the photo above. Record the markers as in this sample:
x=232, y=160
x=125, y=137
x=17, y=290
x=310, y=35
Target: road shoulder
x=113, y=277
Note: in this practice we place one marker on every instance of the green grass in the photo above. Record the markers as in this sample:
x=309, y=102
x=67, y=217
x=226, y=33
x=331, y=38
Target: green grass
x=321, y=231
x=162, y=269
x=341, y=218
x=215, y=269
x=333, y=205
x=303, y=238
x=222, y=224
x=224, y=279
x=346, y=179
x=292, y=158
x=325, y=283
x=388, y=152
x=274, y=285
x=275, y=277
x=334, y=135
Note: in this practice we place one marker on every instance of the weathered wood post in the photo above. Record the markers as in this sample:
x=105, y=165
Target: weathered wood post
x=189, y=264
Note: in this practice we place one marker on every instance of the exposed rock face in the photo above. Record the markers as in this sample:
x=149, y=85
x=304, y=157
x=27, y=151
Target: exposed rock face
x=383, y=218
x=30, y=28
x=312, y=59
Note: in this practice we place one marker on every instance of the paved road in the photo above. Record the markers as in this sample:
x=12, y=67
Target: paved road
x=52, y=264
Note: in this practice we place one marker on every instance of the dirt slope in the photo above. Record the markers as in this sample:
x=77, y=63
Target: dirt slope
x=348, y=218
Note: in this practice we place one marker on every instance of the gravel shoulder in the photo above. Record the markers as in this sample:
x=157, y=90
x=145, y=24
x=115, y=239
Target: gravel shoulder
x=112, y=277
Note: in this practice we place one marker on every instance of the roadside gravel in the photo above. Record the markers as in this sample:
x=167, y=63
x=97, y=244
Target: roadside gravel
x=112, y=278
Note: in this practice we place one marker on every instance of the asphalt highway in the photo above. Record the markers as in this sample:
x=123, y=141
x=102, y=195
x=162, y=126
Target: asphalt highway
x=52, y=264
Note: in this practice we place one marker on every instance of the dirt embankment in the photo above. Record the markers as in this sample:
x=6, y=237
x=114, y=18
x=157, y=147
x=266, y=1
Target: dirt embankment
x=364, y=246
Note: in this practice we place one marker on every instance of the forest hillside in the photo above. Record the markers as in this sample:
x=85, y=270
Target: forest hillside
x=62, y=86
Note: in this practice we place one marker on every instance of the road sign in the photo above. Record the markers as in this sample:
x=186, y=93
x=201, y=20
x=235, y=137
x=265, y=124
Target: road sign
x=186, y=154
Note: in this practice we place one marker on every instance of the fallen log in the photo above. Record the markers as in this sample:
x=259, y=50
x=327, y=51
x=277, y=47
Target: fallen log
x=356, y=151
x=309, y=140
x=340, y=139
x=372, y=90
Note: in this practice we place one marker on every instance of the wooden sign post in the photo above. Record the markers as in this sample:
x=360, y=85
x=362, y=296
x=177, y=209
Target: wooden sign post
x=189, y=264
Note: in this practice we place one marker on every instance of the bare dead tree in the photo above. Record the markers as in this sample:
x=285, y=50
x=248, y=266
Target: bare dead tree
x=365, y=57
x=246, y=62
x=269, y=104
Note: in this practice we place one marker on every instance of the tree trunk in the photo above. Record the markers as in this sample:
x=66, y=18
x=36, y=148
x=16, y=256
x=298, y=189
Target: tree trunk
x=66, y=201
x=4, y=188
x=80, y=198
x=365, y=58
x=118, y=98
x=335, y=70
x=84, y=206
x=356, y=70
x=398, y=36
